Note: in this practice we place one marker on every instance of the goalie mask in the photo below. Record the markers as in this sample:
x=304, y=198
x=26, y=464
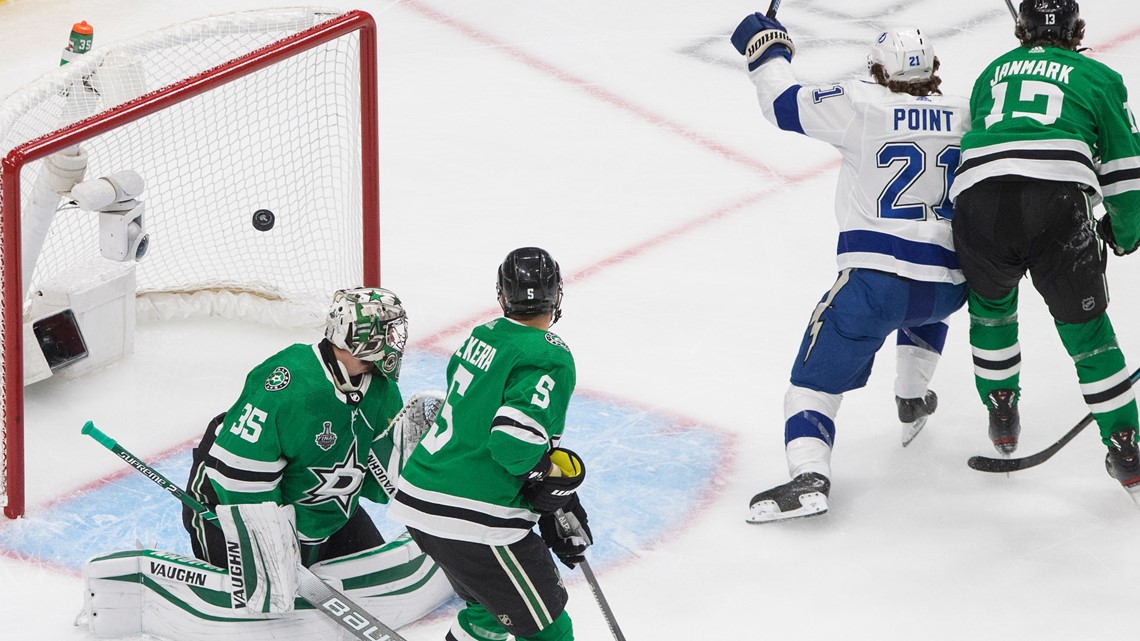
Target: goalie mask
x=905, y=54
x=530, y=283
x=371, y=324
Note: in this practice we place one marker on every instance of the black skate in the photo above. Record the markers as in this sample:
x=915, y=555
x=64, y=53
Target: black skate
x=1123, y=461
x=805, y=495
x=1005, y=421
x=913, y=413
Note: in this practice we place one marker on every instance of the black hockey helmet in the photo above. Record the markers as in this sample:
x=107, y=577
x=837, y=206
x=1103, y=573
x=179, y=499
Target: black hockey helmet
x=530, y=283
x=1048, y=19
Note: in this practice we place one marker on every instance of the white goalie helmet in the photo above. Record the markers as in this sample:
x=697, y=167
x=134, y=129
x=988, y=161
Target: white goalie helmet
x=371, y=324
x=906, y=55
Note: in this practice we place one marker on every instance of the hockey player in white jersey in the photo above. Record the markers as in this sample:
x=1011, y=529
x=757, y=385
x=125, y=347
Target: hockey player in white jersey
x=898, y=273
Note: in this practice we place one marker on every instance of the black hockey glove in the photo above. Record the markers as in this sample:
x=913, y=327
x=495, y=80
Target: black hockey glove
x=1104, y=230
x=548, y=492
x=761, y=38
x=569, y=539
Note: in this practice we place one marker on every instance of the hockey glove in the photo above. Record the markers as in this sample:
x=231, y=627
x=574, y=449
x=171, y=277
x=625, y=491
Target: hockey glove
x=568, y=546
x=761, y=39
x=553, y=488
x=1104, y=230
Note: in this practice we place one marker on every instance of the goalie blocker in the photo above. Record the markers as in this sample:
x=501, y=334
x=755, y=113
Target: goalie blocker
x=171, y=596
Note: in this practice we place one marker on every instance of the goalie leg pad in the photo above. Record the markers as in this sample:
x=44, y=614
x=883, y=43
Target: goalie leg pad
x=396, y=581
x=175, y=597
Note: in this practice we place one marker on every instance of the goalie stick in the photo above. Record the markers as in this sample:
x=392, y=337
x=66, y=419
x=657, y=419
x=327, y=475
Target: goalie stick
x=568, y=526
x=987, y=464
x=313, y=589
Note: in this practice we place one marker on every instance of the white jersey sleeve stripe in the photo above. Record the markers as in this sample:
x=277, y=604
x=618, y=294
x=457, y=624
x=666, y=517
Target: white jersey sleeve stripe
x=512, y=422
x=243, y=463
x=236, y=485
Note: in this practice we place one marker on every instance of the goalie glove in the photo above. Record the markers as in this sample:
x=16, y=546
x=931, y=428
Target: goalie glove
x=262, y=555
x=567, y=533
x=760, y=38
x=553, y=482
x=414, y=420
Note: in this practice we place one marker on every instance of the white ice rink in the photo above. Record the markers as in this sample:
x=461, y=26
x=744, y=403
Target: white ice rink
x=623, y=136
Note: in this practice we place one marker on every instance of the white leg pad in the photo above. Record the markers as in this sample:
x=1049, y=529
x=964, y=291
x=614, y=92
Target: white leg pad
x=175, y=597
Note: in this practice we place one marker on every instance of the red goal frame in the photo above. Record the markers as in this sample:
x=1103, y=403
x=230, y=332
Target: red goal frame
x=12, y=370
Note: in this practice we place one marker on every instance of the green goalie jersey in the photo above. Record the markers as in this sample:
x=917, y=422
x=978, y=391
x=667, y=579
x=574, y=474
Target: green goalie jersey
x=1053, y=114
x=509, y=386
x=294, y=438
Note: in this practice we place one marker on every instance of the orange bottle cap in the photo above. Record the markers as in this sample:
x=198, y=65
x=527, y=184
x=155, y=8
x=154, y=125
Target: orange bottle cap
x=83, y=28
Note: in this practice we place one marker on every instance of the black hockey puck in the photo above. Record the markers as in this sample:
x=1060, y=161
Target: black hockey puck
x=263, y=220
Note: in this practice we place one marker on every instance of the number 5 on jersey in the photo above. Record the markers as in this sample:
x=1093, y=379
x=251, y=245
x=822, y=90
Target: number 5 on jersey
x=441, y=432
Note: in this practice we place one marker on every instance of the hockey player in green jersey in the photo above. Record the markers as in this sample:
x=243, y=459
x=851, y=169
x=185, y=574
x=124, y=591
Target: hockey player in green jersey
x=491, y=468
x=304, y=427
x=1052, y=136
x=315, y=429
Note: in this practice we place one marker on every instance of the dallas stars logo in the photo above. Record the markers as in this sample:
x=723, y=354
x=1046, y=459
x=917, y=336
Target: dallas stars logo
x=555, y=339
x=338, y=483
x=278, y=380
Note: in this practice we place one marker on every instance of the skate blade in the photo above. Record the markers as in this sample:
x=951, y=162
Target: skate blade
x=811, y=504
x=911, y=430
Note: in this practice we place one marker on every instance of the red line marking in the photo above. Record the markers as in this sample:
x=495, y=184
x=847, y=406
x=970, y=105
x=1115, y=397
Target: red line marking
x=1120, y=40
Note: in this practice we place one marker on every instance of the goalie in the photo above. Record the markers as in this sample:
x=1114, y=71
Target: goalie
x=316, y=428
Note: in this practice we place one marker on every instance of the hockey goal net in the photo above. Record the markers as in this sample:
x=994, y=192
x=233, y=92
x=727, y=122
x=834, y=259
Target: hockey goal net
x=221, y=117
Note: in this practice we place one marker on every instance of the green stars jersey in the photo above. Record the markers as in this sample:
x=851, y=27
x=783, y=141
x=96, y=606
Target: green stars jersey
x=1053, y=114
x=294, y=438
x=509, y=386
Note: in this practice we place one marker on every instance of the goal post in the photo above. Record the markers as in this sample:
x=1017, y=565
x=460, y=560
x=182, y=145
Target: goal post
x=250, y=139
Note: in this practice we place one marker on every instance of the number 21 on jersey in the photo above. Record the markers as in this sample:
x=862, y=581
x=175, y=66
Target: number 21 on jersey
x=913, y=160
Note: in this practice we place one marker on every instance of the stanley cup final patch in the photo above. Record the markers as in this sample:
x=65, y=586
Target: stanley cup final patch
x=278, y=380
x=326, y=439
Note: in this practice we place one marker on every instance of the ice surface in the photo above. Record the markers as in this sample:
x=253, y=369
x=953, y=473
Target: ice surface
x=696, y=240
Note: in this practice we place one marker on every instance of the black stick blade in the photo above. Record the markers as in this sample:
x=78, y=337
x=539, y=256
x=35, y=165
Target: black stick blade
x=999, y=465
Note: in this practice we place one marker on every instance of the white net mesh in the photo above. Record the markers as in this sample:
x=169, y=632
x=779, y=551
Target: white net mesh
x=286, y=138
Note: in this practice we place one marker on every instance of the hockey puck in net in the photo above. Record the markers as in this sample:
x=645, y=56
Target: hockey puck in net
x=263, y=220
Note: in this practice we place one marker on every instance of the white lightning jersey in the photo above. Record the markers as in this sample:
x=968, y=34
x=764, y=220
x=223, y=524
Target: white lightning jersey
x=899, y=156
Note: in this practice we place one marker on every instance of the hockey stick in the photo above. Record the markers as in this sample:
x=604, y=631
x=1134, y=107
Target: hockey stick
x=330, y=601
x=568, y=526
x=1012, y=11
x=775, y=6
x=987, y=464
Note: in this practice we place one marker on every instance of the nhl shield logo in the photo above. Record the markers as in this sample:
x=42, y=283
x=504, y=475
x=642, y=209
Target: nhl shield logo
x=326, y=439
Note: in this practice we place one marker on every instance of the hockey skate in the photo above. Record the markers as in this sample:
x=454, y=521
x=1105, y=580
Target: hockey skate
x=805, y=495
x=1123, y=462
x=913, y=413
x=1005, y=421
